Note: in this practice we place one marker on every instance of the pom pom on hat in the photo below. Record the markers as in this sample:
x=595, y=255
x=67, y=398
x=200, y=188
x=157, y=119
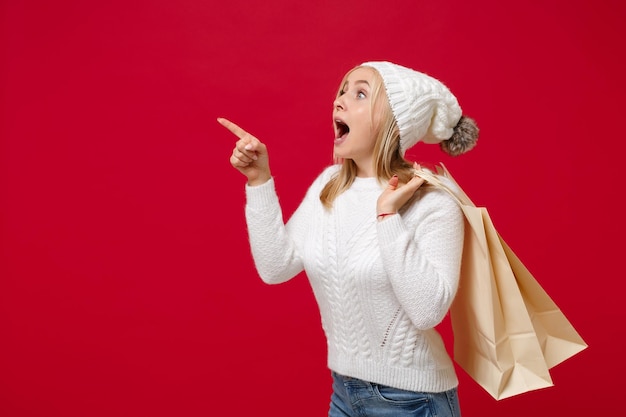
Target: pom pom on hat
x=463, y=139
x=425, y=109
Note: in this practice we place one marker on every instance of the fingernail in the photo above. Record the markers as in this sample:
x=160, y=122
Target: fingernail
x=248, y=147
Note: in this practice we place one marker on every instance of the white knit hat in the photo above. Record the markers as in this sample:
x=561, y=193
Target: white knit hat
x=424, y=109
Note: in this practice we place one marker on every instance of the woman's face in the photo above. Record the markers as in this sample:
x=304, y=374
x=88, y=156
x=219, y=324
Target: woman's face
x=355, y=133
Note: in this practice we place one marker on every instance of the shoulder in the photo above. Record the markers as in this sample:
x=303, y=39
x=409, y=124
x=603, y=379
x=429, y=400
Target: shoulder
x=442, y=189
x=436, y=202
x=437, y=197
x=326, y=175
x=329, y=172
x=315, y=188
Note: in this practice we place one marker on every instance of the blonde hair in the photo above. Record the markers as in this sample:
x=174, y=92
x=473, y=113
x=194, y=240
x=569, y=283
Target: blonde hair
x=388, y=159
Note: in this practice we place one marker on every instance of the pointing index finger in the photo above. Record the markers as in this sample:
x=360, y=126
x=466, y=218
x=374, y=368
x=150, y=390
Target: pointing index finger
x=234, y=129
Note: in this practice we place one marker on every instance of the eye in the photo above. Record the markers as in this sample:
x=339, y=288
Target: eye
x=361, y=95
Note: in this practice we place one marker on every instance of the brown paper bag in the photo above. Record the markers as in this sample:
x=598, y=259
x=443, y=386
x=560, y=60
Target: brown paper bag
x=507, y=331
x=558, y=338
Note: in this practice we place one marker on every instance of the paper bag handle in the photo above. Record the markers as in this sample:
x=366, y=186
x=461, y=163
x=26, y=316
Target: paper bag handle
x=435, y=179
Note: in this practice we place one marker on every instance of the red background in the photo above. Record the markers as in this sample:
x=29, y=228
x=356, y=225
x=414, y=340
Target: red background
x=126, y=282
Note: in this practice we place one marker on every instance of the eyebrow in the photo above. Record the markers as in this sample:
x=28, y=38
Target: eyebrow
x=356, y=82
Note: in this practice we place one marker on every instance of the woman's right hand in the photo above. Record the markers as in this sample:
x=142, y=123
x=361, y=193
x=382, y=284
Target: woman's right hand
x=249, y=155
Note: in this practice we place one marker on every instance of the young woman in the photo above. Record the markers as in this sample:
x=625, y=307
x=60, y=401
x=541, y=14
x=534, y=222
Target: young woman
x=382, y=250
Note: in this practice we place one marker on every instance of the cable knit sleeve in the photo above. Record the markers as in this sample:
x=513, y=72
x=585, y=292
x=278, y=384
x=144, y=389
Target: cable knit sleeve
x=274, y=252
x=421, y=251
x=276, y=247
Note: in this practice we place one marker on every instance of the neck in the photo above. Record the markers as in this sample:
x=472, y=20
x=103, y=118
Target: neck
x=364, y=170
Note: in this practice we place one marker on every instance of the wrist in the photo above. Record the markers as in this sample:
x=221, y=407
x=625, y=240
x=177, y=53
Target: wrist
x=259, y=181
x=385, y=214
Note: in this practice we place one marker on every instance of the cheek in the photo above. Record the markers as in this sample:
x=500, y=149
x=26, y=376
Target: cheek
x=378, y=116
x=366, y=119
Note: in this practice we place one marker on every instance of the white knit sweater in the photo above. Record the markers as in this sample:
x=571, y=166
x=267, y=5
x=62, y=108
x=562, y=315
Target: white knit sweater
x=381, y=286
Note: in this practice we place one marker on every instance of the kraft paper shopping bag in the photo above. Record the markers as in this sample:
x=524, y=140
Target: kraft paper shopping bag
x=507, y=331
x=558, y=338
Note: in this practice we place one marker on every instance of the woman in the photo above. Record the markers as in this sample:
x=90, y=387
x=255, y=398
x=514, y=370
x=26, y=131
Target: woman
x=381, y=250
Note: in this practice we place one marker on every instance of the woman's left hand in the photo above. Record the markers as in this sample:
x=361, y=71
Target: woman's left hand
x=395, y=196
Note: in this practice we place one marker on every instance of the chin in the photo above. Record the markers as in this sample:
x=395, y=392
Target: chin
x=340, y=153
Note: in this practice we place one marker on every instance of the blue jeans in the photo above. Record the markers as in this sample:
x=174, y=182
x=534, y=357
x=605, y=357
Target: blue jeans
x=353, y=397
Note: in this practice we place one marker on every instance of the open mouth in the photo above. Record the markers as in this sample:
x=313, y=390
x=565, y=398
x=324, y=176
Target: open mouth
x=341, y=129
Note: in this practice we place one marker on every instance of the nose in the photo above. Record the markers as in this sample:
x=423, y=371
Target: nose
x=338, y=104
